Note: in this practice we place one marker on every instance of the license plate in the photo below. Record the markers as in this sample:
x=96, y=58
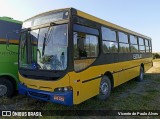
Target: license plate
x=59, y=98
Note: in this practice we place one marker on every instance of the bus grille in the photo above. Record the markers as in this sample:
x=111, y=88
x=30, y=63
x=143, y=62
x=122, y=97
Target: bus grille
x=45, y=96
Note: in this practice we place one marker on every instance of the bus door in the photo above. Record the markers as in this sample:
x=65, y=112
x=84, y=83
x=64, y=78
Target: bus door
x=86, y=49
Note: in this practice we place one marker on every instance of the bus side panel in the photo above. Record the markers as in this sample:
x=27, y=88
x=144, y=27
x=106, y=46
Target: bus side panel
x=131, y=69
x=148, y=64
x=89, y=83
x=9, y=60
x=9, y=52
x=83, y=90
x=75, y=84
x=89, y=79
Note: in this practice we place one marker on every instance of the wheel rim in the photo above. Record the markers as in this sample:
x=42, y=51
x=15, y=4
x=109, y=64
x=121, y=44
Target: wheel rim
x=104, y=88
x=3, y=90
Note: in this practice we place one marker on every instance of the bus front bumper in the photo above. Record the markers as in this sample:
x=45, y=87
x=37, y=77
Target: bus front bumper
x=65, y=98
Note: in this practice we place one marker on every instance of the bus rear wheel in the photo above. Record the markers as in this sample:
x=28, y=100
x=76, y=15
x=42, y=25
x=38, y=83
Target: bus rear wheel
x=105, y=88
x=141, y=75
x=6, y=88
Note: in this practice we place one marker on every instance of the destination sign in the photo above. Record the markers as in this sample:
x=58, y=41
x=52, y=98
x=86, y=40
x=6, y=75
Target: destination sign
x=46, y=18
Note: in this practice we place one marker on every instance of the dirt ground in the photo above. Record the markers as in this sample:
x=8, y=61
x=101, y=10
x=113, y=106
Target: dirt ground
x=155, y=68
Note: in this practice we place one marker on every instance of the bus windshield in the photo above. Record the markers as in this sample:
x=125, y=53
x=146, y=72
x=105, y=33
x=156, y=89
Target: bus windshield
x=44, y=48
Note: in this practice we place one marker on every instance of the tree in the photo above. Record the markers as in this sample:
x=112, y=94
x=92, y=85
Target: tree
x=155, y=55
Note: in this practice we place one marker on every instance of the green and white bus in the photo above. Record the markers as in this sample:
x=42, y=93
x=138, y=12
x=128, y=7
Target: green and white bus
x=8, y=55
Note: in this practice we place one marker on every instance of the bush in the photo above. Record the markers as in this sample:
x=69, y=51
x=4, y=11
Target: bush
x=156, y=55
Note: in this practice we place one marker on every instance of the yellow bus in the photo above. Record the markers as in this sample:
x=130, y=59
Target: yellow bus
x=67, y=56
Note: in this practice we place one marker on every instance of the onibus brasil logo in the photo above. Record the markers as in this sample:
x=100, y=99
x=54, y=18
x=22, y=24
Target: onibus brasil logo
x=19, y=113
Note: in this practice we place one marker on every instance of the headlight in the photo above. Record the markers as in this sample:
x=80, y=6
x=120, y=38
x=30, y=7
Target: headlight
x=63, y=89
x=60, y=89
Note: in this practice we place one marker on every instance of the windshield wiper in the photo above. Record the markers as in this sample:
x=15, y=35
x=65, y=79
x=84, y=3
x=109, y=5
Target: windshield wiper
x=50, y=32
x=47, y=37
x=44, y=43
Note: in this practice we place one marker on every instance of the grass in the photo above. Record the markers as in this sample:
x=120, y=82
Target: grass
x=129, y=96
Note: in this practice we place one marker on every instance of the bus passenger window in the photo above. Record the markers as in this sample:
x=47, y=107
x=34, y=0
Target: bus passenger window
x=123, y=38
x=141, y=45
x=133, y=43
x=109, y=38
x=134, y=48
x=150, y=46
x=147, y=49
x=123, y=43
x=108, y=34
x=147, y=45
x=141, y=41
x=85, y=50
x=124, y=48
x=110, y=47
x=142, y=48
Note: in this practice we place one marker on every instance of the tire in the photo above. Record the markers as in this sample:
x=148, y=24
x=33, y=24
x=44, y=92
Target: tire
x=6, y=88
x=141, y=75
x=105, y=88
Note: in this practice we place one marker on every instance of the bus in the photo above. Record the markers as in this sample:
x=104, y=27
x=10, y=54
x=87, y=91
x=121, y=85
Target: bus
x=67, y=56
x=9, y=55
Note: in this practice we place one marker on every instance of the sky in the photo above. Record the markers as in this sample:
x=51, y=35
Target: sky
x=142, y=16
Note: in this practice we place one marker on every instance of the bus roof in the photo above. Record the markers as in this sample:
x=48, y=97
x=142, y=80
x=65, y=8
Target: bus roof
x=9, y=19
x=103, y=22
x=47, y=13
x=98, y=20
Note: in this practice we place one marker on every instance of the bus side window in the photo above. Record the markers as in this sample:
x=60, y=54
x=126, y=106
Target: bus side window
x=150, y=46
x=80, y=50
x=109, y=39
x=141, y=45
x=147, y=45
x=85, y=50
x=133, y=44
x=123, y=43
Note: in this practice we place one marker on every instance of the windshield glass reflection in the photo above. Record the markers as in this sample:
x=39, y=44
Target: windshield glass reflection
x=45, y=48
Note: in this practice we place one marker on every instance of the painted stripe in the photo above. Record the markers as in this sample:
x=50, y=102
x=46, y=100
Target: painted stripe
x=91, y=79
x=125, y=69
x=3, y=41
x=113, y=73
x=129, y=68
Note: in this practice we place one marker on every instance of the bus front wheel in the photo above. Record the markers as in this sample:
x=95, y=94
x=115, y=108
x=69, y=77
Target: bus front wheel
x=141, y=75
x=6, y=88
x=105, y=88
